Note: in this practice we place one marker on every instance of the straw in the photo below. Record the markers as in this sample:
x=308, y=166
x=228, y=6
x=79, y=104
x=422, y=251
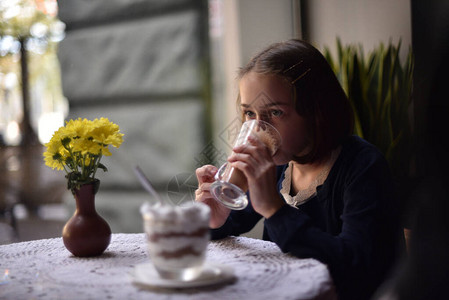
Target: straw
x=147, y=184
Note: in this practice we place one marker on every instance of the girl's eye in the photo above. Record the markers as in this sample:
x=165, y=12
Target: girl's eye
x=276, y=113
x=249, y=114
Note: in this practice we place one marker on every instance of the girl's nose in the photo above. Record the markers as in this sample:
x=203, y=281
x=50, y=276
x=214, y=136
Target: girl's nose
x=261, y=117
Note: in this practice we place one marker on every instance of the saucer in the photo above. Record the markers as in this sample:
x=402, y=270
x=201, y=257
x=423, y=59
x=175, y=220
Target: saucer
x=145, y=274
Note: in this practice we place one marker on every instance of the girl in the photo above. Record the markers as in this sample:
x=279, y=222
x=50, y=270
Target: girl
x=326, y=194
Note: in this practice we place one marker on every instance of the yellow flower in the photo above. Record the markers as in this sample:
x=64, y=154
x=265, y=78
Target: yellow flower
x=52, y=162
x=79, y=128
x=56, y=153
x=85, y=146
x=79, y=146
x=106, y=133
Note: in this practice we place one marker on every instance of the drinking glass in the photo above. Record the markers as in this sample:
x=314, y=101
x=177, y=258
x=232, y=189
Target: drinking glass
x=230, y=184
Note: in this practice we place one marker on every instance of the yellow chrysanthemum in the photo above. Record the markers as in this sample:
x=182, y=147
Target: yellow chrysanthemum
x=56, y=154
x=79, y=127
x=106, y=132
x=85, y=146
x=61, y=134
x=78, y=147
x=53, y=163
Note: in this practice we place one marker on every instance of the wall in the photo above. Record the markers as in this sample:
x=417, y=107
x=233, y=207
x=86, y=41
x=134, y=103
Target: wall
x=358, y=21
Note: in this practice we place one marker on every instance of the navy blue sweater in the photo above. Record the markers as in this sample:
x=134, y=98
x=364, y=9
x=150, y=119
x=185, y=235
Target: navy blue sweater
x=352, y=224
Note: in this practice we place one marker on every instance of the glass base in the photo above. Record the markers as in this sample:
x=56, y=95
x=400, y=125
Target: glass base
x=179, y=274
x=229, y=195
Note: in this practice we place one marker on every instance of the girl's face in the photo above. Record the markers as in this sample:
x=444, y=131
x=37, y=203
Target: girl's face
x=269, y=98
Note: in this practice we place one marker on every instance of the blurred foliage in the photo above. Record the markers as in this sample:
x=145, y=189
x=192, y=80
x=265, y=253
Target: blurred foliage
x=379, y=88
x=22, y=19
x=31, y=25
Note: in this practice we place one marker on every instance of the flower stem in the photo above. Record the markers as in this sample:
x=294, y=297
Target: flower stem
x=97, y=161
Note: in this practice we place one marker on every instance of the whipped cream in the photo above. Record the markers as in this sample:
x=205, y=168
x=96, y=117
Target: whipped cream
x=167, y=218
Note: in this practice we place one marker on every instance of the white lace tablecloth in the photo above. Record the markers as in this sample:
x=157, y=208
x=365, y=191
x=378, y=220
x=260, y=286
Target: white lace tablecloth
x=44, y=269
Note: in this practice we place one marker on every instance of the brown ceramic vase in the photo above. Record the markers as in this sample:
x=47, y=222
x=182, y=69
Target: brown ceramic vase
x=86, y=233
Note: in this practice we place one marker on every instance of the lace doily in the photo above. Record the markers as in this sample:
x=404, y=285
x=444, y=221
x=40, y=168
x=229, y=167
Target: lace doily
x=303, y=195
x=44, y=269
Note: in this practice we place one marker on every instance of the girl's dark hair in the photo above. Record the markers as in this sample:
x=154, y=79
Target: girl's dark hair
x=318, y=96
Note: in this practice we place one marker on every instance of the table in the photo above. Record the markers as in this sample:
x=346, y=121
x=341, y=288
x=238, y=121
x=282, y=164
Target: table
x=44, y=269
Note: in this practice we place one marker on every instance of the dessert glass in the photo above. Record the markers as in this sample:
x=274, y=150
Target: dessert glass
x=177, y=238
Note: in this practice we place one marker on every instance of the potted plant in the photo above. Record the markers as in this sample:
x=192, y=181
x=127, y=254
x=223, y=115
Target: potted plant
x=379, y=87
x=77, y=148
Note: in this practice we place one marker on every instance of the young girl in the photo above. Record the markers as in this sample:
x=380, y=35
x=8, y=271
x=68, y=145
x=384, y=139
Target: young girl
x=325, y=194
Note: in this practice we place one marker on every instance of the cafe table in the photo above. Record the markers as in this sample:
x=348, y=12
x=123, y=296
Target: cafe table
x=250, y=269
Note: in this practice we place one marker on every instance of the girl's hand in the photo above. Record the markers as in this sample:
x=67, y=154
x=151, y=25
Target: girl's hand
x=256, y=162
x=218, y=212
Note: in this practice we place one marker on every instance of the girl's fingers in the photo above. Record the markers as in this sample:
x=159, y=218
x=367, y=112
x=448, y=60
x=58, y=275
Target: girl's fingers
x=259, y=155
x=243, y=157
x=204, y=187
x=254, y=145
x=202, y=193
x=245, y=167
x=206, y=173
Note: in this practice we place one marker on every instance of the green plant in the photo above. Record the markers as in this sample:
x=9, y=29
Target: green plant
x=379, y=88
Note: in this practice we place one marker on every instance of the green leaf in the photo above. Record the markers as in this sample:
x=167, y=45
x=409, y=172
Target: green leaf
x=103, y=167
x=379, y=89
